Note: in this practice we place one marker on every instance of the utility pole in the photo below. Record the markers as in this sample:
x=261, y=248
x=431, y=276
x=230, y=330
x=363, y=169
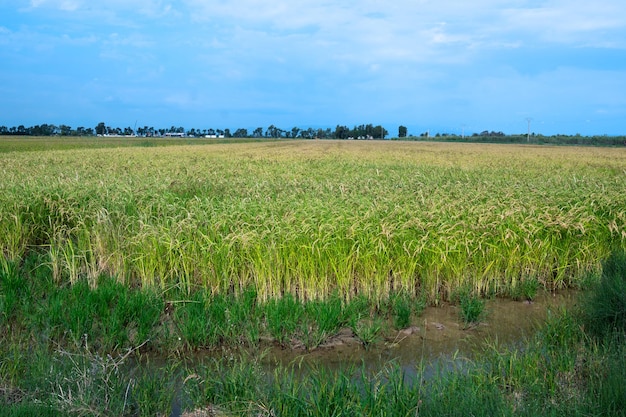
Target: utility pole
x=528, y=119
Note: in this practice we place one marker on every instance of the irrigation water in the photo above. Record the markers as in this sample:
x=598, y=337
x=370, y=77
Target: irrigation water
x=441, y=342
x=440, y=337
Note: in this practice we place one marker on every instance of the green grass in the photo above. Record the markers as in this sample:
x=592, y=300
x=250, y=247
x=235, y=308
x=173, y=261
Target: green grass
x=111, y=317
x=560, y=371
x=606, y=306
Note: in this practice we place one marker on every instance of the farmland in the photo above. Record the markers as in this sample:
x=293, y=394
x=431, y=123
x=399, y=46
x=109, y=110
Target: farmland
x=148, y=247
x=311, y=218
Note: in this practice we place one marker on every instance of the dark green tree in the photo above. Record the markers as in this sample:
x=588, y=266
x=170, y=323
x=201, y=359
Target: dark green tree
x=342, y=132
x=241, y=133
x=402, y=131
x=101, y=129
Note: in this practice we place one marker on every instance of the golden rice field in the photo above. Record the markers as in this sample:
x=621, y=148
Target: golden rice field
x=312, y=218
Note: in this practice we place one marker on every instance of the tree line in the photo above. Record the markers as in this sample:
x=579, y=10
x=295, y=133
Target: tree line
x=364, y=131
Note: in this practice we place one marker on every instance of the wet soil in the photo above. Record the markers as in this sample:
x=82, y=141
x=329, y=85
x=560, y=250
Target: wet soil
x=438, y=333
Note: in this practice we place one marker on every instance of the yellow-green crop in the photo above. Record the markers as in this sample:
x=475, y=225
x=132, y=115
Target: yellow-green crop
x=315, y=217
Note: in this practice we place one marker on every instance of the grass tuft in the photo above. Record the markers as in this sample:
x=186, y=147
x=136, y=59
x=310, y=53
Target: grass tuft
x=605, y=308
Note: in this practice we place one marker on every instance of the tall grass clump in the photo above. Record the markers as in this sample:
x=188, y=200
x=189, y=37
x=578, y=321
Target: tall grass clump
x=111, y=316
x=605, y=307
x=471, y=305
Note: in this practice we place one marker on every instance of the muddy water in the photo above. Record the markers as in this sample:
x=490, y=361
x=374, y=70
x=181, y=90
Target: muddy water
x=436, y=336
x=437, y=341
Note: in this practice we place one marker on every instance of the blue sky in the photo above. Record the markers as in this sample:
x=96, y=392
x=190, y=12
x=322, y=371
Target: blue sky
x=449, y=66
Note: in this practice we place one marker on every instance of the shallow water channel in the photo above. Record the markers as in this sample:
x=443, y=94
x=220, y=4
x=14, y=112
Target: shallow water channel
x=436, y=337
x=438, y=341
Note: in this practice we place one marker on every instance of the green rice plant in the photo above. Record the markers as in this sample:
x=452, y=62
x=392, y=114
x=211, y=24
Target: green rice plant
x=69, y=314
x=324, y=317
x=111, y=316
x=192, y=321
x=472, y=307
x=419, y=305
x=526, y=289
x=401, y=310
x=243, y=318
x=367, y=330
x=283, y=317
x=135, y=312
x=356, y=308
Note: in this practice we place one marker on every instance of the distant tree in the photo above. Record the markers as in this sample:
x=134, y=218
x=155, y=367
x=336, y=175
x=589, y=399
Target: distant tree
x=101, y=129
x=65, y=130
x=258, y=132
x=402, y=131
x=273, y=132
x=379, y=132
x=227, y=133
x=308, y=133
x=342, y=132
x=241, y=133
x=294, y=132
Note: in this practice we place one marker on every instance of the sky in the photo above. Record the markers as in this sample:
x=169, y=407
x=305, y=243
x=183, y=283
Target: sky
x=445, y=66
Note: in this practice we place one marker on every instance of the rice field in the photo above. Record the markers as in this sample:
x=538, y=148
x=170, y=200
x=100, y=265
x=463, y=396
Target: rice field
x=317, y=218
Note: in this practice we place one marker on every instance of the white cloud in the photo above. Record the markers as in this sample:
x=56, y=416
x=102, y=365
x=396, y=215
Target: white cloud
x=575, y=22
